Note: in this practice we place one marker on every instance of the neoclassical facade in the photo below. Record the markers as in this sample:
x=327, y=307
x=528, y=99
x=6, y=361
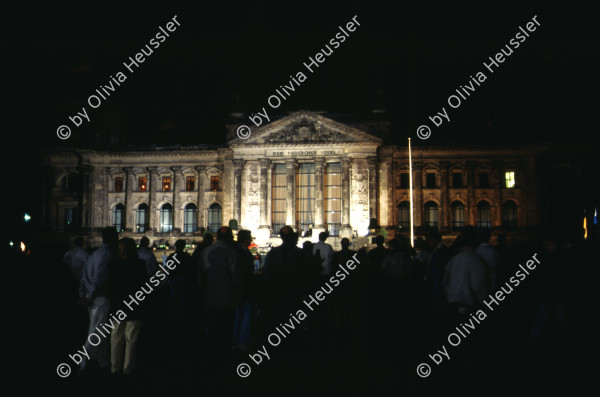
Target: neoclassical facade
x=303, y=170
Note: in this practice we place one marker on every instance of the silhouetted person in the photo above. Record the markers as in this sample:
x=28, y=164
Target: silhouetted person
x=326, y=252
x=95, y=291
x=378, y=254
x=489, y=255
x=127, y=276
x=440, y=255
x=182, y=281
x=219, y=279
x=466, y=279
x=76, y=257
x=245, y=262
x=341, y=299
x=147, y=255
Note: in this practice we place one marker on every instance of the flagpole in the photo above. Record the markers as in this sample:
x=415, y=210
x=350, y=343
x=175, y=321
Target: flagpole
x=412, y=235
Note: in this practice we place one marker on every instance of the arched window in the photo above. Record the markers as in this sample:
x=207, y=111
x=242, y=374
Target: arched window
x=119, y=217
x=509, y=214
x=70, y=183
x=142, y=219
x=166, y=218
x=431, y=215
x=458, y=215
x=404, y=215
x=215, y=217
x=190, y=218
x=484, y=215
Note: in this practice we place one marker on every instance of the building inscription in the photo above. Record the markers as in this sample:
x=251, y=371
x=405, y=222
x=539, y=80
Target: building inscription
x=296, y=153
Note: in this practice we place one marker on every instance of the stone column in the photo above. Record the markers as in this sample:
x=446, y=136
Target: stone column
x=372, y=164
x=129, y=180
x=86, y=196
x=107, y=213
x=238, y=169
x=152, y=185
x=290, y=213
x=200, y=199
x=346, y=230
x=471, y=208
x=177, y=212
x=497, y=183
x=318, y=227
x=444, y=205
x=264, y=230
x=418, y=194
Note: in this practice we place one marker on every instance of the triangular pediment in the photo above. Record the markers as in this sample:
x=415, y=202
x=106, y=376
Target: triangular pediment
x=305, y=127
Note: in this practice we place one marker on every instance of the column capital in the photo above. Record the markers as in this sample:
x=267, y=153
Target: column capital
x=151, y=170
x=291, y=163
x=445, y=165
x=264, y=163
x=238, y=163
x=175, y=169
x=106, y=170
x=319, y=162
x=372, y=161
x=200, y=169
x=346, y=161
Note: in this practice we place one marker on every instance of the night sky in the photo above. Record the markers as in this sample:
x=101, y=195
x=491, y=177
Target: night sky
x=229, y=57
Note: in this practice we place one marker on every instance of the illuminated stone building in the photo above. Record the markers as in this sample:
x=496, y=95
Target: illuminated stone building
x=303, y=170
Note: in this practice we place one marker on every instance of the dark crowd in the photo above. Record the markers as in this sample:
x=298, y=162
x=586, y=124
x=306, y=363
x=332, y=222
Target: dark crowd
x=365, y=338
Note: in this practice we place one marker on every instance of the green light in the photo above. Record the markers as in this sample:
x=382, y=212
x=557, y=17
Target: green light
x=11, y=243
x=27, y=217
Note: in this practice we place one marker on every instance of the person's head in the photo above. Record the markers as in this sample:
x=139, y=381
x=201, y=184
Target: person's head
x=225, y=234
x=207, y=239
x=434, y=239
x=485, y=235
x=109, y=235
x=345, y=243
x=308, y=246
x=288, y=236
x=244, y=237
x=502, y=239
x=323, y=236
x=179, y=245
x=144, y=242
x=126, y=249
x=78, y=241
x=467, y=238
x=379, y=240
x=395, y=245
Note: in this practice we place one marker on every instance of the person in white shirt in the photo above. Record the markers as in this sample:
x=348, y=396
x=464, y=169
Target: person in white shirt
x=326, y=252
x=76, y=258
x=466, y=279
x=489, y=255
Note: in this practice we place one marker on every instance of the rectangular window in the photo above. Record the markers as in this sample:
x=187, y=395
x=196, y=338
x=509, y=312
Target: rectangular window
x=142, y=184
x=190, y=183
x=214, y=183
x=484, y=179
x=404, y=180
x=333, y=198
x=118, y=184
x=430, y=182
x=457, y=180
x=305, y=196
x=278, y=206
x=166, y=184
x=509, y=177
